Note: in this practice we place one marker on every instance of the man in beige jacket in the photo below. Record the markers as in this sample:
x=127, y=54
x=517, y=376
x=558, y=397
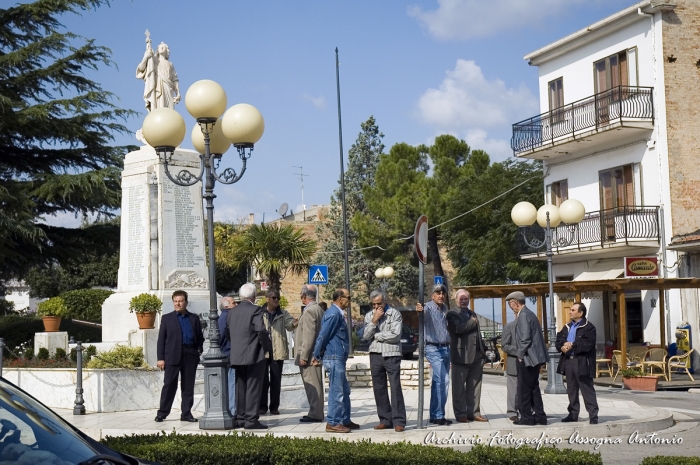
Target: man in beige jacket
x=304, y=341
x=277, y=323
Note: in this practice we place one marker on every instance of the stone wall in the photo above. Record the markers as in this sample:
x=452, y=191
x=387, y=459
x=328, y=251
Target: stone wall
x=359, y=375
x=681, y=64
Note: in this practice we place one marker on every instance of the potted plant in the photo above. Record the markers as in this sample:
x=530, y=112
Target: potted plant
x=145, y=306
x=51, y=311
x=634, y=379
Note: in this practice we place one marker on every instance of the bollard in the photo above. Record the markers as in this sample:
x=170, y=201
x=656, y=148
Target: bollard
x=79, y=408
x=2, y=347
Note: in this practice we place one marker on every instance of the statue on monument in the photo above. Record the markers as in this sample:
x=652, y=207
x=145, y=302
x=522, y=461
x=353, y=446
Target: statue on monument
x=162, y=88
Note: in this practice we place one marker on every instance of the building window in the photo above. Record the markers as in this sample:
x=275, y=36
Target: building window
x=617, y=187
x=611, y=72
x=559, y=192
x=556, y=99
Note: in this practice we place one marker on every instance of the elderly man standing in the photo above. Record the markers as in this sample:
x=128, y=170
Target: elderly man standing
x=332, y=347
x=437, y=351
x=383, y=328
x=306, y=335
x=277, y=323
x=576, y=342
x=508, y=346
x=532, y=354
x=468, y=353
x=226, y=304
x=249, y=343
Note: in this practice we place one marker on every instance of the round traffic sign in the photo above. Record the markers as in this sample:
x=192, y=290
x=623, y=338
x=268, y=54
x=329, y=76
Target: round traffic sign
x=420, y=238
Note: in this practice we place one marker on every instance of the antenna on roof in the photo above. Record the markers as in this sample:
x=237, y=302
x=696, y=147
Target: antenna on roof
x=301, y=178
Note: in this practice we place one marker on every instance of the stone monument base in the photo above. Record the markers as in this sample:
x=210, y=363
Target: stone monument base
x=51, y=341
x=148, y=340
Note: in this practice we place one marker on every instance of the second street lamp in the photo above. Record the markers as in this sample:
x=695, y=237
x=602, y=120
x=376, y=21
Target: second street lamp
x=549, y=216
x=384, y=274
x=242, y=125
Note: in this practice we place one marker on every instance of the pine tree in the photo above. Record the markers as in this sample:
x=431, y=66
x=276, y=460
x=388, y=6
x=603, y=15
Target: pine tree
x=363, y=158
x=55, y=129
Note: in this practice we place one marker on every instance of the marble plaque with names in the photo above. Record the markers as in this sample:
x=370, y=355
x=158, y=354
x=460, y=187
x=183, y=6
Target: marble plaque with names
x=134, y=270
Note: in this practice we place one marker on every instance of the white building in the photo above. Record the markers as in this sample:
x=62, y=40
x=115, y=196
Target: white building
x=619, y=131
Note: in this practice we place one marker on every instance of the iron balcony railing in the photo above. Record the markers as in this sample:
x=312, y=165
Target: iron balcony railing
x=623, y=103
x=603, y=227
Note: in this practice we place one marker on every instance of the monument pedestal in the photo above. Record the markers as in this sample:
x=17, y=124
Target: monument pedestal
x=148, y=340
x=162, y=241
x=51, y=341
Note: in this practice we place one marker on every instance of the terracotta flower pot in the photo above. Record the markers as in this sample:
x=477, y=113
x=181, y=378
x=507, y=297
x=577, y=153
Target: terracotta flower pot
x=640, y=383
x=146, y=320
x=51, y=323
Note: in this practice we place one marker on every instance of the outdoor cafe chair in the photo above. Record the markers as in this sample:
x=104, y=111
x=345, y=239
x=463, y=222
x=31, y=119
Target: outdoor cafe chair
x=655, y=358
x=680, y=362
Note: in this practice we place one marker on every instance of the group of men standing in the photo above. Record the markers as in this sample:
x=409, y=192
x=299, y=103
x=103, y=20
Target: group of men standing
x=255, y=342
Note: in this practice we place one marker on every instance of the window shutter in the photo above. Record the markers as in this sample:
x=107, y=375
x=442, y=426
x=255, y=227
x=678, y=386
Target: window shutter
x=629, y=185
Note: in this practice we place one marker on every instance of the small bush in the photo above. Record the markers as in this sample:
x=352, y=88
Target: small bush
x=245, y=448
x=145, y=303
x=85, y=304
x=119, y=357
x=29, y=353
x=43, y=353
x=55, y=306
x=670, y=460
x=60, y=354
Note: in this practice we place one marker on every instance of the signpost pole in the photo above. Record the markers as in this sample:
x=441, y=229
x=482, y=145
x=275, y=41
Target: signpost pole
x=420, y=237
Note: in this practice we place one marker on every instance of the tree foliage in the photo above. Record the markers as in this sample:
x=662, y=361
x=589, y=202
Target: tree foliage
x=230, y=274
x=56, y=127
x=274, y=250
x=363, y=160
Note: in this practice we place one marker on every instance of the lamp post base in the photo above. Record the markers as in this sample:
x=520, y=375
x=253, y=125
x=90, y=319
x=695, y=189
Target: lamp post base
x=217, y=415
x=555, y=381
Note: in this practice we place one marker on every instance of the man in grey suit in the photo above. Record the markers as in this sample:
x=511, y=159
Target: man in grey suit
x=249, y=342
x=467, y=355
x=304, y=341
x=532, y=354
x=508, y=346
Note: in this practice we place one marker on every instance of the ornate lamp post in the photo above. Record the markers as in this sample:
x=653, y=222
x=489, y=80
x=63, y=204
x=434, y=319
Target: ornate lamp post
x=242, y=125
x=384, y=274
x=549, y=216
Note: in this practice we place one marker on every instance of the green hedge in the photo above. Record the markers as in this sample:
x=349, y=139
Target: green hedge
x=670, y=460
x=235, y=448
x=18, y=329
x=85, y=304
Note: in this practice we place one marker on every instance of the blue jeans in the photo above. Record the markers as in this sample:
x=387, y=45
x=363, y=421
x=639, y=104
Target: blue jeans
x=232, y=391
x=439, y=359
x=338, y=393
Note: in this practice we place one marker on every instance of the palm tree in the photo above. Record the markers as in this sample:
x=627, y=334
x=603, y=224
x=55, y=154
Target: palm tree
x=274, y=250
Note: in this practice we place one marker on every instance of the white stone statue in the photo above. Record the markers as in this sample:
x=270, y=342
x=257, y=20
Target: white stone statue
x=162, y=88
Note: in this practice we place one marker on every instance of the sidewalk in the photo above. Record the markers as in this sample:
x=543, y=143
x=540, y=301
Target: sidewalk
x=616, y=417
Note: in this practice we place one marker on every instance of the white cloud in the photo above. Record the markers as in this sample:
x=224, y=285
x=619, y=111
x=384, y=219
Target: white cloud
x=470, y=106
x=319, y=102
x=466, y=19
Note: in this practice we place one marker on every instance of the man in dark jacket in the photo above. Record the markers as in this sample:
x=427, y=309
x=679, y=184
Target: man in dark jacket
x=467, y=354
x=180, y=342
x=249, y=342
x=227, y=303
x=576, y=342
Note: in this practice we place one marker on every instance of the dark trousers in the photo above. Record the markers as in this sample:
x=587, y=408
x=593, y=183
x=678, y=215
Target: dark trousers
x=272, y=382
x=249, y=383
x=186, y=371
x=390, y=413
x=576, y=383
x=466, y=389
x=529, y=395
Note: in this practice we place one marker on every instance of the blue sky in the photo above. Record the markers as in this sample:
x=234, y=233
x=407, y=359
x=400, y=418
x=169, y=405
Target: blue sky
x=422, y=68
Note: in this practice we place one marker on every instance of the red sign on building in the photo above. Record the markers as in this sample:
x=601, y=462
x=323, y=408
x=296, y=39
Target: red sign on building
x=641, y=267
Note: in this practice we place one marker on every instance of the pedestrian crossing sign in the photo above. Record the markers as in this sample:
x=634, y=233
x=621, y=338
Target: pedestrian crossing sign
x=318, y=274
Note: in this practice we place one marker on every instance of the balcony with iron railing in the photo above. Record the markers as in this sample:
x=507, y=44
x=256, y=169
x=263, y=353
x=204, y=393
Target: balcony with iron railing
x=622, y=228
x=586, y=125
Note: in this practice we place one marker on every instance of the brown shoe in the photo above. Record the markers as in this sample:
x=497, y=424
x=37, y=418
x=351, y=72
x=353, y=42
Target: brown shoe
x=399, y=429
x=513, y=418
x=463, y=419
x=382, y=426
x=480, y=419
x=336, y=429
x=351, y=425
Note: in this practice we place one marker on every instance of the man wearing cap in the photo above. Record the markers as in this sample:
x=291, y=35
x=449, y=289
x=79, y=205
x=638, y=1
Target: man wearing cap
x=468, y=353
x=306, y=335
x=532, y=354
x=437, y=351
x=226, y=304
x=576, y=342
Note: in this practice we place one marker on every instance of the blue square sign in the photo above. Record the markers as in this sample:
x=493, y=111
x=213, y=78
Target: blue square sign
x=318, y=274
x=437, y=280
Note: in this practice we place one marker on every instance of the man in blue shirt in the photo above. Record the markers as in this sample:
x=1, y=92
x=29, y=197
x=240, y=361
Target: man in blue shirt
x=332, y=346
x=180, y=343
x=437, y=351
x=227, y=303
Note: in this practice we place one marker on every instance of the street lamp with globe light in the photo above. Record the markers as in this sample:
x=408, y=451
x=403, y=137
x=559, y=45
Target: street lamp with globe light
x=241, y=125
x=571, y=212
x=384, y=274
